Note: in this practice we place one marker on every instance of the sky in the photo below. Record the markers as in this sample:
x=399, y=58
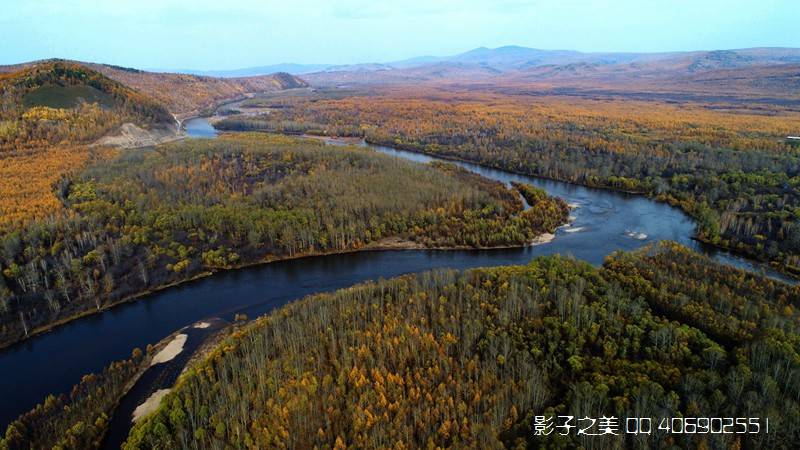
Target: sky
x=231, y=34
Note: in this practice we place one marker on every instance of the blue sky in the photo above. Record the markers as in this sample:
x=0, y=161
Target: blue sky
x=228, y=34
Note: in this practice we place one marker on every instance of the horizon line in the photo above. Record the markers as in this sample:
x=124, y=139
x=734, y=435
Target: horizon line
x=328, y=65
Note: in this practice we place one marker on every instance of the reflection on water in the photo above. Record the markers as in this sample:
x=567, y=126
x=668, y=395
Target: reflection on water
x=199, y=128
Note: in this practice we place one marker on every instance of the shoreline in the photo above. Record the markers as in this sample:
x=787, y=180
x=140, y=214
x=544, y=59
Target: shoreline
x=792, y=276
x=795, y=276
x=161, y=348
x=384, y=245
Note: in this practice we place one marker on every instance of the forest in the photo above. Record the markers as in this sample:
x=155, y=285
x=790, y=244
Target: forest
x=149, y=218
x=27, y=179
x=728, y=165
x=451, y=359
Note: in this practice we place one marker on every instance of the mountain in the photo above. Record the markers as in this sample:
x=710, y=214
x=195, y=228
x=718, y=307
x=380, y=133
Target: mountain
x=514, y=64
x=187, y=95
x=510, y=58
x=762, y=71
x=55, y=102
x=514, y=57
x=750, y=73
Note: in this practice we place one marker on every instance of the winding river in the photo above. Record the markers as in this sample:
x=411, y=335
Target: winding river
x=603, y=221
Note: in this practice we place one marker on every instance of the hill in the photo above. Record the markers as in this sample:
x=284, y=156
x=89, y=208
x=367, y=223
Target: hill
x=49, y=112
x=61, y=102
x=183, y=94
x=737, y=72
x=294, y=69
x=187, y=95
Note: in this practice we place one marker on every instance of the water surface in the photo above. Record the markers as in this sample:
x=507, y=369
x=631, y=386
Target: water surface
x=199, y=128
x=603, y=222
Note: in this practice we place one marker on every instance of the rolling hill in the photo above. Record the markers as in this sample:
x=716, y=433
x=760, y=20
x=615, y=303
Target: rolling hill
x=63, y=102
x=187, y=95
x=291, y=68
x=49, y=113
x=184, y=95
x=754, y=72
x=52, y=111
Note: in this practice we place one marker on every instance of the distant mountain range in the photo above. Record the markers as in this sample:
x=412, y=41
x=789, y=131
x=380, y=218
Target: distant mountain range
x=766, y=72
x=294, y=69
x=516, y=58
x=770, y=73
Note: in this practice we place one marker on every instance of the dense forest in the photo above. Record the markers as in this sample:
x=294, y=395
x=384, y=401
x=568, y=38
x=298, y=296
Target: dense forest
x=149, y=218
x=729, y=166
x=455, y=360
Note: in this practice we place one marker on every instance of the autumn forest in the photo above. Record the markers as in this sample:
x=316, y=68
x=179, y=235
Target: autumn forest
x=728, y=166
x=109, y=200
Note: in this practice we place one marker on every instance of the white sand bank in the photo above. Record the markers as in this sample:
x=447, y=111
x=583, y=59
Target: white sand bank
x=168, y=353
x=149, y=405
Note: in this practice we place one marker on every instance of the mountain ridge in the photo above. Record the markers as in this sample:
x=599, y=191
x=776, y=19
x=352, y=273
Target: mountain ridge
x=185, y=95
x=761, y=71
x=531, y=56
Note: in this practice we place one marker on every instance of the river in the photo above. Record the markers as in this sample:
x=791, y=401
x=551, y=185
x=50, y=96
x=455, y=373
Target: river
x=603, y=222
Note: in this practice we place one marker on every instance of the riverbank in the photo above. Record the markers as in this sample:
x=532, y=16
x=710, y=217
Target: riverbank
x=210, y=110
x=175, y=354
x=793, y=275
x=792, y=272
x=387, y=244
x=131, y=136
x=87, y=407
x=784, y=270
x=789, y=275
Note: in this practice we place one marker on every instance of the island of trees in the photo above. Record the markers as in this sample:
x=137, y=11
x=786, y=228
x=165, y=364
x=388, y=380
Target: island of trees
x=150, y=218
x=728, y=165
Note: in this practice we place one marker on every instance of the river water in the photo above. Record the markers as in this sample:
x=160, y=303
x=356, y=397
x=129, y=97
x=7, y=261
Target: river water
x=603, y=222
